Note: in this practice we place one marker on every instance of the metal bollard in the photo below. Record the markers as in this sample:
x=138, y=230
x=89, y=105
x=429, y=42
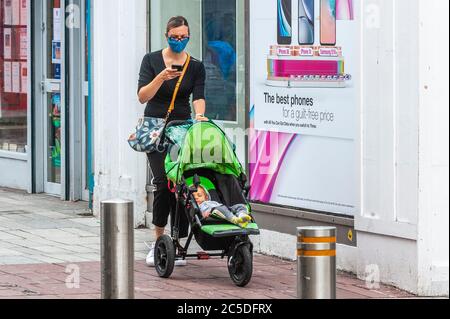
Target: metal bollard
x=117, y=249
x=316, y=263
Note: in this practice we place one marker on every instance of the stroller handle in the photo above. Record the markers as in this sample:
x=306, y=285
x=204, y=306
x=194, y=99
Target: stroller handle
x=175, y=123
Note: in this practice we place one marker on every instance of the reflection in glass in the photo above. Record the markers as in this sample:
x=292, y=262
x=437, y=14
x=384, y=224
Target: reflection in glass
x=219, y=57
x=54, y=37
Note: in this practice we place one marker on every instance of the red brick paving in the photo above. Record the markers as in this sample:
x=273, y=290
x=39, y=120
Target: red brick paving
x=272, y=279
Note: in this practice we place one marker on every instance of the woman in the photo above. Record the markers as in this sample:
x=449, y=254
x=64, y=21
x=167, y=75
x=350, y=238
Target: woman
x=157, y=81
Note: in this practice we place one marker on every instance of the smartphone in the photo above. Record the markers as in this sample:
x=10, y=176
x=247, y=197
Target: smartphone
x=284, y=18
x=306, y=22
x=179, y=68
x=328, y=22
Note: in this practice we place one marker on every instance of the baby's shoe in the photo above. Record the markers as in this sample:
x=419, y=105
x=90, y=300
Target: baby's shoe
x=236, y=220
x=245, y=217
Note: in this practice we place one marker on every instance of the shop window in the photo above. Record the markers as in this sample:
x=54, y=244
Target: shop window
x=213, y=40
x=13, y=75
x=219, y=57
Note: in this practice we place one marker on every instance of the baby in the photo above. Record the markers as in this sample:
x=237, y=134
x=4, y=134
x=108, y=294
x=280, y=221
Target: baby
x=238, y=215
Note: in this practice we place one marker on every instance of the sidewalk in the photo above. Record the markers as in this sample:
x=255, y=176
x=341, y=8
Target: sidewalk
x=45, y=242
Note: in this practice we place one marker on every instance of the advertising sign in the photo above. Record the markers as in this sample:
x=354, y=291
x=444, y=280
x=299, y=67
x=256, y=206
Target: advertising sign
x=304, y=103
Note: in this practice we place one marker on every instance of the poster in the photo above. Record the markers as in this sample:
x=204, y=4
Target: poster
x=23, y=13
x=7, y=72
x=7, y=19
x=23, y=44
x=56, y=52
x=23, y=78
x=7, y=50
x=57, y=24
x=15, y=77
x=304, y=103
x=15, y=12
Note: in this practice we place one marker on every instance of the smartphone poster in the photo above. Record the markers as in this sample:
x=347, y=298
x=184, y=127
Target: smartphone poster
x=328, y=22
x=15, y=12
x=7, y=15
x=306, y=18
x=23, y=12
x=23, y=44
x=7, y=48
x=304, y=105
x=284, y=25
x=57, y=24
x=56, y=52
x=23, y=78
x=15, y=77
x=7, y=75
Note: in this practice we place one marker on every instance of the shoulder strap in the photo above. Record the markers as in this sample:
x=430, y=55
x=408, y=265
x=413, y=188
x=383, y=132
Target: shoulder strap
x=177, y=87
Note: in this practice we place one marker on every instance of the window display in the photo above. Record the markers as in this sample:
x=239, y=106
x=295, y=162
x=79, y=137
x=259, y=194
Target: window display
x=13, y=75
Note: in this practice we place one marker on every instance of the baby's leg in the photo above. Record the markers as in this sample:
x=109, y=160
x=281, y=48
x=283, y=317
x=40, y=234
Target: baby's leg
x=224, y=213
x=241, y=211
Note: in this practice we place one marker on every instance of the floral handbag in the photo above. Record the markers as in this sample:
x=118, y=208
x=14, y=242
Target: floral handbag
x=149, y=135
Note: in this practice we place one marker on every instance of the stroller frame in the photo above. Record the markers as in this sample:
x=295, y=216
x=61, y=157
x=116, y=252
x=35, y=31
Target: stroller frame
x=233, y=242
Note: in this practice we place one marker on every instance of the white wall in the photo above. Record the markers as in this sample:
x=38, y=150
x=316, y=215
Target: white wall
x=403, y=225
x=119, y=41
x=14, y=171
x=433, y=231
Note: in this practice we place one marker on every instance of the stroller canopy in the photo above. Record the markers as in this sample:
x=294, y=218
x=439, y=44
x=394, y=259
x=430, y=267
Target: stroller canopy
x=200, y=145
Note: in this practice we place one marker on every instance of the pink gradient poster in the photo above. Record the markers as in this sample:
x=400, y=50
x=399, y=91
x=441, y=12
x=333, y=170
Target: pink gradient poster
x=304, y=107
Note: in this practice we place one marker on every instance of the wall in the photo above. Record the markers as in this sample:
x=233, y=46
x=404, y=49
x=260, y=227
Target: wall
x=433, y=231
x=17, y=163
x=403, y=225
x=119, y=44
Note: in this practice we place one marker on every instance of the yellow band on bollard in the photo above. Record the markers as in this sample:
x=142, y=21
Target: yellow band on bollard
x=316, y=240
x=316, y=253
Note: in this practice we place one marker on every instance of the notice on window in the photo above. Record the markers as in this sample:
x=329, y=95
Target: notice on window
x=57, y=24
x=15, y=12
x=7, y=50
x=23, y=13
x=24, y=78
x=7, y=71
x=23, y=44
x=7, y=20
x=56, y=52
x=16, y=77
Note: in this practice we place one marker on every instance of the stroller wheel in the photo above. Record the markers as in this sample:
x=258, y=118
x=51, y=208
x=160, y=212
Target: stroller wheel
x=240, y=266
x=164, y=256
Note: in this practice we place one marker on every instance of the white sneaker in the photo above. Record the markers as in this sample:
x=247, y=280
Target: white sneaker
x=150, y=260
x=180, y=262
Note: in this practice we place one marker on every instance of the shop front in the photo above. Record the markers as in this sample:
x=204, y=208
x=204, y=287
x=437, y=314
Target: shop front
x=333, y=124
x=44, y=110
x=293, y=181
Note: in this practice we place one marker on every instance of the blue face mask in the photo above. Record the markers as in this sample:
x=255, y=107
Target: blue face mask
x=178, y=46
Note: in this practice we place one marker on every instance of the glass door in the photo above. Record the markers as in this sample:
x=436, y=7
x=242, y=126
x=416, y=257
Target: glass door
x=52, y=89
x=223, y=50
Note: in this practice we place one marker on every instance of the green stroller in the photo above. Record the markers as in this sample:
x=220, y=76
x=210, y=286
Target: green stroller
x=200, y=154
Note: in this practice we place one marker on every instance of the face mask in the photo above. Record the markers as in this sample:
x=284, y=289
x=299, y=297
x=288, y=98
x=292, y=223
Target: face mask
x=178, y=46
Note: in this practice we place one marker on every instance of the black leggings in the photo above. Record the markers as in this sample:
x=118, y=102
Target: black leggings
x=164, y=202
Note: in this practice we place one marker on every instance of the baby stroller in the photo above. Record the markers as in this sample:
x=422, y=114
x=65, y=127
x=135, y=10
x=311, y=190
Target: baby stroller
x=201, y=154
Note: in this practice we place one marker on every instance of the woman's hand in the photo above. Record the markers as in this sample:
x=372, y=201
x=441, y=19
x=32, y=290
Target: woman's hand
x=201, y=118
x=169, y=74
